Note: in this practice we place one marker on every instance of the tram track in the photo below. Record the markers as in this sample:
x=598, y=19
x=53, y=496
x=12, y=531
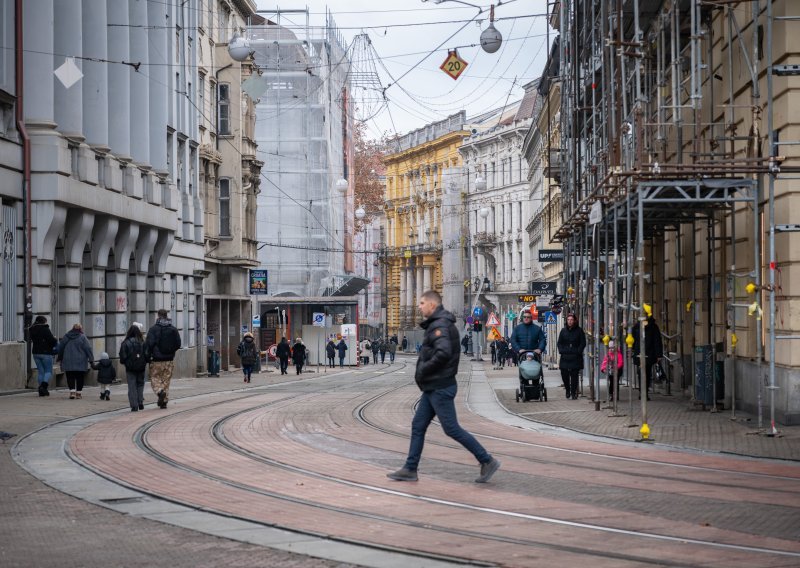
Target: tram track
x=217, y=433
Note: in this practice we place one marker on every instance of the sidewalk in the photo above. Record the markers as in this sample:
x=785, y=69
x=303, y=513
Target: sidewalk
x=672, y=419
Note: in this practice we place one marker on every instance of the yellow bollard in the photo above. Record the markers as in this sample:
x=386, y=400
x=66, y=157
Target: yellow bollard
x=645, y=431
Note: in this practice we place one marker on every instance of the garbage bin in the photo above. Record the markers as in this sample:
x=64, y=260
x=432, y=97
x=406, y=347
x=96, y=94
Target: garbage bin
x=213, y=363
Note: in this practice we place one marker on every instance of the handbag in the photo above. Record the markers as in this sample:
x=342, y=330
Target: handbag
x=658, y=374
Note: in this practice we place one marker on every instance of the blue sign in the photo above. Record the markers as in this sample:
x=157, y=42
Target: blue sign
x=477, y=312
x=470, y=321
x=550, y=317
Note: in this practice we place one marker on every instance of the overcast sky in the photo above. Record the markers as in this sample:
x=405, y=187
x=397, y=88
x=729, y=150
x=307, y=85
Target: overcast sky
x=426, y=94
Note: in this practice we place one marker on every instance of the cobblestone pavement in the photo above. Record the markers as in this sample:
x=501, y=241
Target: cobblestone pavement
x=41, y=527
x=673, y=420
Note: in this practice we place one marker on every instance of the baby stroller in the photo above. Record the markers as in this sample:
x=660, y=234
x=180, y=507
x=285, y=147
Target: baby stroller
x=531, y=377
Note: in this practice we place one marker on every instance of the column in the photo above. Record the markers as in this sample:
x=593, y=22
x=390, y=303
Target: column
x=410, y=288
x=159, y=79
x=420, y=282
x=140, y=92
x=427, y=274
x=403, y=291
x=95, y=74
x=38, y=22
x=119, y=80
x=69, y=103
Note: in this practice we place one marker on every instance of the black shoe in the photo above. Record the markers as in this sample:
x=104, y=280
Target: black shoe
x=161, y=399
x=108, y=395
x=141, y=407
x=568, y=394
x=574, y=397
x=134, y=409
x=488, y=469
x=403, y=474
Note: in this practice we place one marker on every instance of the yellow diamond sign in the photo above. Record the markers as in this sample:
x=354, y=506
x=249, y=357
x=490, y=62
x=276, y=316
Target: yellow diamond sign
x=453, y=65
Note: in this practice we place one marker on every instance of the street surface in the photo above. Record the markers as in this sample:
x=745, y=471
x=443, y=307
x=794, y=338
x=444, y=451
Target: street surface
x=290, y=471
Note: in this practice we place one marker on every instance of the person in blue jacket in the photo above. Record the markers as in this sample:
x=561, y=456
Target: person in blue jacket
x=528, y=336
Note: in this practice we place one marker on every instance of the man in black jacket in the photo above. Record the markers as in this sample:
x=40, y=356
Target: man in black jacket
x=437, y=366
x=163, y=341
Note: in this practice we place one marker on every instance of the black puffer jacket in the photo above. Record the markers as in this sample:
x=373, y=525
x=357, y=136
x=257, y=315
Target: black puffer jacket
x=42, y=339
x=438, y=359
x=571, y=343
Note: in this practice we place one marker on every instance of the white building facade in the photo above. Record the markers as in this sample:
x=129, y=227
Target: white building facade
x=497, y=213
x=115, y=216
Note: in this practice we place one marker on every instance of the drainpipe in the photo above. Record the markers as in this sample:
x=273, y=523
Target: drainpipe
x=26, y=179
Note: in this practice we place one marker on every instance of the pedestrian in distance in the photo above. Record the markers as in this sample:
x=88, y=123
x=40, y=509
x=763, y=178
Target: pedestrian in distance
x=365, y=347
x=106, y=374
x=248, y=353
x=376, y=347
x=42, y=343
x=493, y=349
x=341, y=347
x=571, y=343
x=283, y=352
x=75, y=353
x=299, y=354
x=404, y=344
x=382, y=349
x=330, y=352
x=133, y=358
x=502, y=353
x=163, y=341
x=435, y=376
x=613, y=357
x=653, y=352
x=392, y=350
x=465, y=343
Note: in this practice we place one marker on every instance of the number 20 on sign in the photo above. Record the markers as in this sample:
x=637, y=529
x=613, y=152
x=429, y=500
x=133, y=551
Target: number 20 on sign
x=453, y=65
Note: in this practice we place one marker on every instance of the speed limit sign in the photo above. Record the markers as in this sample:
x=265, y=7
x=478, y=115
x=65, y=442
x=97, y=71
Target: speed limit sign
x=453, y=65
x=273, y=351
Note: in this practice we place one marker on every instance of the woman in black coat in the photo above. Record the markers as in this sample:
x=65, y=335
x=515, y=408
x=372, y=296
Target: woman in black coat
x=330, y=351
x=571, y=343
x=42, y=343
x=299, y=354
x=283, y=352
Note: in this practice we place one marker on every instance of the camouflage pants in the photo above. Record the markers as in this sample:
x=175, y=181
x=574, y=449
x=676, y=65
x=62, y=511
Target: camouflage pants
x=160, y=375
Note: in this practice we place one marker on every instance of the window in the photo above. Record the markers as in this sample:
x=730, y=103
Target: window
x=201, y=97
x=223, y=109
x=224, y=207
x=101, y=171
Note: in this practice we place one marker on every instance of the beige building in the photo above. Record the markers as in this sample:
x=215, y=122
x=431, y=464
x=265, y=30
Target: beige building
x=230, y=175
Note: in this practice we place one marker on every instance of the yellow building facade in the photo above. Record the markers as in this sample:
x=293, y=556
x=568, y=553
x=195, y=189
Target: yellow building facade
x=414, y=215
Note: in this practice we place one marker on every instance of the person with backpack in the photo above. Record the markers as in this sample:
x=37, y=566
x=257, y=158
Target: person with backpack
x=132, y=356
x=392, y=350
x=283, y=352
x=248, y=353
x=341, y=347
x=75, y=352
x=163, y=341
x=42, y=343
x=106, y=373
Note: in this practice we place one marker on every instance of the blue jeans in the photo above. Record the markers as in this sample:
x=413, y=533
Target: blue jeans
x=44, y=364
x=440, y=403
x=247, y=370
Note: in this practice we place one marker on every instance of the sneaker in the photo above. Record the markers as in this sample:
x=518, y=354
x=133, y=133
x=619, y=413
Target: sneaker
x=403, y=474
x=161, y=396
x=488, y=469
x=72, y=394
x=78, y=395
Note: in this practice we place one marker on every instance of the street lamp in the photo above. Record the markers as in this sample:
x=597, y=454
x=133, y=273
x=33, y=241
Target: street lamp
x=491, y=39
x=239, y=48
x=360, y=214
x=480, y=183
x=342, y=185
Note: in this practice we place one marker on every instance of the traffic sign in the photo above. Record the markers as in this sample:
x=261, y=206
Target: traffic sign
x=551, y=318
x=273, y=351
x=319, y=319
x=493, y=320
x=453, y=65
x=493, y=335
x=470, y=321
x=477, y=312
x=256, y=321
x=511, y=315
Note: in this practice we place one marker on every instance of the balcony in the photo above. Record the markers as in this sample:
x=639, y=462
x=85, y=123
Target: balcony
x=484, y=239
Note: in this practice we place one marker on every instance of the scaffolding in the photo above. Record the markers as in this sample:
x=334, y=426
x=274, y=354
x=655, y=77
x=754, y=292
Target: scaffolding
x=303, y=128
x=663, y=166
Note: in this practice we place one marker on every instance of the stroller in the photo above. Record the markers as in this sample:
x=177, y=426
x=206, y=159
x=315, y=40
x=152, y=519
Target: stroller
x=531, y=377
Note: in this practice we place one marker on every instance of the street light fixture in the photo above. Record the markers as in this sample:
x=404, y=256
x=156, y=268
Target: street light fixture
x=342, y=185
x=491, y=39
x=239, y=48
x=480, y=183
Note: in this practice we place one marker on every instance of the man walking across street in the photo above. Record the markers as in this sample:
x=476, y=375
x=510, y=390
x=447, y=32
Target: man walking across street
x=528, y=336
x=163, y=341
x=437, y=366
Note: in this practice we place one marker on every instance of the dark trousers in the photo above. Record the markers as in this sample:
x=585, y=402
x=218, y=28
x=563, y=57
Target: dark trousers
x=299, y=367
x=75, y=380
x=247, y=370
x=440, y=403
x=620, y=373
x=341, y=360
x=331, y=361
x=383, y=356
x=648, y=372
x=135, y=388
x=570, y=379
x=284, y=365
